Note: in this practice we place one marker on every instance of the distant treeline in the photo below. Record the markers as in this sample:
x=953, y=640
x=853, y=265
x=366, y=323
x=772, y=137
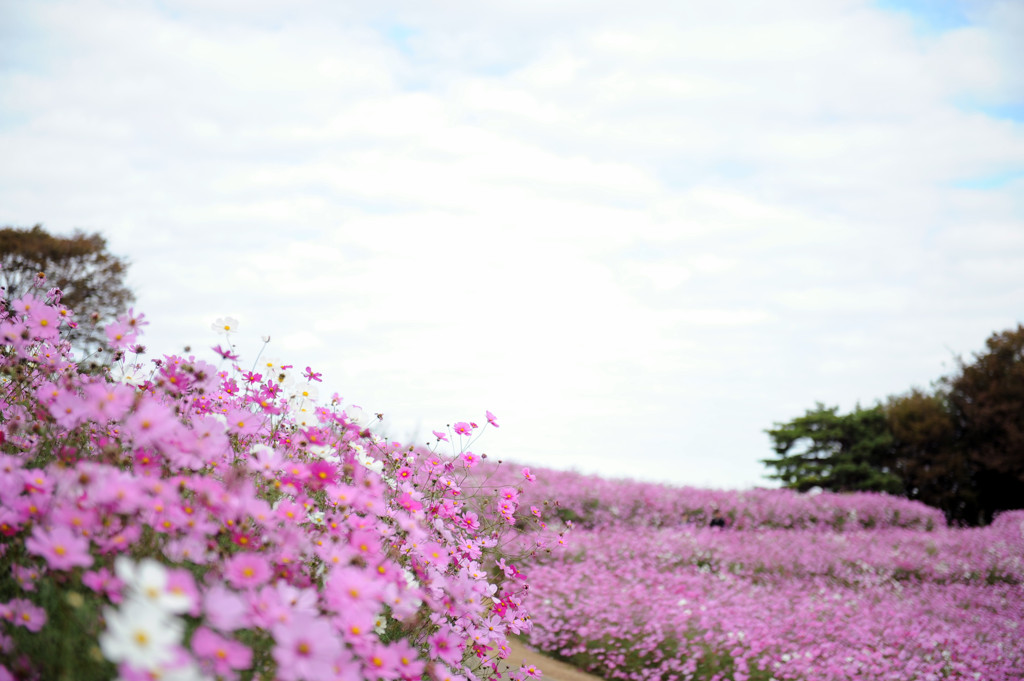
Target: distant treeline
x=958, y=447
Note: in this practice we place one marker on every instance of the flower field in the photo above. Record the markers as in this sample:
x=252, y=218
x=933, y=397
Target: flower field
x=173, y=519
x=815, y=588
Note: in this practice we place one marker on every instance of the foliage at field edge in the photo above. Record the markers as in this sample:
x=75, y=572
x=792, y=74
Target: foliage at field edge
x=177, y=520
x=959, y=447
x=91, y=279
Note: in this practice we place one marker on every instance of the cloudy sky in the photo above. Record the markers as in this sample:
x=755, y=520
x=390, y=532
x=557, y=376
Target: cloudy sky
x=638, y=232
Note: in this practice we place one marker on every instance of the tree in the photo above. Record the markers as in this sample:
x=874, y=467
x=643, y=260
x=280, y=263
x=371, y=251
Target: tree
x=925, y=454
x=959, y=448
x=91, y=279
x=986, y=402
x=844, y=452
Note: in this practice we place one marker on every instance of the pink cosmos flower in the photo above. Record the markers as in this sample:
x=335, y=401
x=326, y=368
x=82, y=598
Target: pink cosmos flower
x=462, y=428
x=243, y=421
x=290, y=511
x=220, y=655
x=227, y=354
x=37, y=481
x=104, y=582
x=492, y=419
x=444, y=645
x=440, y=436
x=10, y=522
x=351, y=588
x=365, y=542
x=298, y=600
x=23, y=613
x=409, y=503
x=265, y=460
x=435, y=554
x=149, y=422
x=530, y=477
x=120, y=540
x=132, y=320
x=471, y=521
x=68, y=409
x=409, y=664
x=225, y=609
x=531, y=671
x=119, y=335
x=346, y=668
x=44, y=323
x=25, y=576
x=246, y=570
x=28, y=304
x=60, y=547
x=449, y=486
x=356, y=625
x=321, y=473
x=471, y=550
x=381, y=662
x=305, y=649
x=112, y=400
x=507, y=509
x=268, y=608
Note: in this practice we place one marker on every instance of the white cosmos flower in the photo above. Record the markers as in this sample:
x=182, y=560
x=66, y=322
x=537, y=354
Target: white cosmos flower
x=129, y=374
x=306, y=393
x=147, y=581
x=304, y=415
x=184, y=670
x=272, y=369
x=140, y=634
x=225, y=325
x=323, y=452
x=367, y=461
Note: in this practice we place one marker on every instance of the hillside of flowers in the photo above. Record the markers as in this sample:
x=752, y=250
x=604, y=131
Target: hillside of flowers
x=592, y=501
x=803, y=587
x=169, y=518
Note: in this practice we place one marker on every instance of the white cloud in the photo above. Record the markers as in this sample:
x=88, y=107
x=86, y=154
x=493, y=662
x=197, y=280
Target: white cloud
x=639, y=233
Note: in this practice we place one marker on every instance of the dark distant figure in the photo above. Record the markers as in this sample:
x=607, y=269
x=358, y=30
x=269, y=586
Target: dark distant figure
x=717, y=520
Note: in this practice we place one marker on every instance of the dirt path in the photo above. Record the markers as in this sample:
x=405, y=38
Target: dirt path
x=554, y=670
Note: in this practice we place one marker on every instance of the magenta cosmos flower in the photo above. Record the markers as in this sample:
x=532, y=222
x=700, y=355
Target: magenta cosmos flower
x=220, y=655
x=306, y=649
x=61, y=548
x=246, y=570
